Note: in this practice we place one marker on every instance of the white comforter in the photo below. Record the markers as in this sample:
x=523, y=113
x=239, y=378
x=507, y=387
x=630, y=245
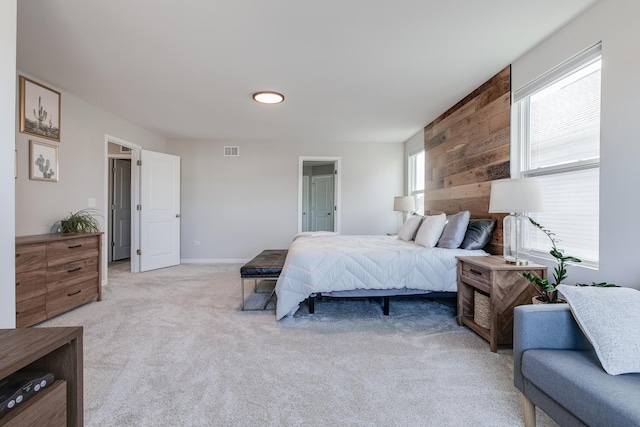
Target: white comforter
x=324, y=263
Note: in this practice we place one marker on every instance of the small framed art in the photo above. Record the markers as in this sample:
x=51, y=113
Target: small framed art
x=39, y=110
x=43, y=161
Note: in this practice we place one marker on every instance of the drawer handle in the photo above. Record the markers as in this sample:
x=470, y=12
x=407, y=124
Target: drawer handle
x=476, y=272
x=74, y=293
x=17, y=255
x=75, y=246
x=74, y=269
x=17, y=283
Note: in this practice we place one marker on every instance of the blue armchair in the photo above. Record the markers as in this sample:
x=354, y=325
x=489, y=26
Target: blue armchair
x=556, y=369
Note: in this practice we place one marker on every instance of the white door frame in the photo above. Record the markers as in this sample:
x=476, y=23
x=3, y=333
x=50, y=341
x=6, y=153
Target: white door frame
x=305, y=204
x=135, y=200
x=337, y=188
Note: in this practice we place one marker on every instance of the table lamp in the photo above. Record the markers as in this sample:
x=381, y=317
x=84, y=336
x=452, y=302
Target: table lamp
x=515, y=197
x=404, y=204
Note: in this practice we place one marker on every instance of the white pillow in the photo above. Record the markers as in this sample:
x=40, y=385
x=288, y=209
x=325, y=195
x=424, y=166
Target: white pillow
x=610, y=319
x=409, y=228
x=430, y=230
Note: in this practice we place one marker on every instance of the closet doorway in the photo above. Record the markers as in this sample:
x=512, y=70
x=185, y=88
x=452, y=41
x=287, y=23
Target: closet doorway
x=319, y=194
x=119, y=220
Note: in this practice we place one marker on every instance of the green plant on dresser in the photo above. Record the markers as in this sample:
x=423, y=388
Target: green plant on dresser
x=82, y=221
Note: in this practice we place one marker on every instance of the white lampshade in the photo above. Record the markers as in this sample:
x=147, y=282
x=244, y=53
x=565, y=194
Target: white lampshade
x=515, y=196
x=404, y=204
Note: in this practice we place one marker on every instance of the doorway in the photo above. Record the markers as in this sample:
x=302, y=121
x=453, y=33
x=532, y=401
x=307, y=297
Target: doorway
x=154, y=184
x=120, y=210
x=319, y=194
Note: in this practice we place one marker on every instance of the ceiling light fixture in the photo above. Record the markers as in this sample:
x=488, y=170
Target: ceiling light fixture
x=268, y=97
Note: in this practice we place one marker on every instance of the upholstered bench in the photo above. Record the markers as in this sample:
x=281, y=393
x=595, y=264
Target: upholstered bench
x=267, y=265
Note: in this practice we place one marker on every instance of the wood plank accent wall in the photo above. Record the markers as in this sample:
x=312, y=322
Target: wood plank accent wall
x=466, y=148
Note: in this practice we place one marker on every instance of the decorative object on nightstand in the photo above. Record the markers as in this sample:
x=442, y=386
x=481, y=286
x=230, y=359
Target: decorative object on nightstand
x=547, y=292
x=404, y=204
x=515, y=197
x=488, y=290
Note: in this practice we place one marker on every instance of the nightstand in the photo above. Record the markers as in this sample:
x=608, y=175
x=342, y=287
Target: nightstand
x=490, y=278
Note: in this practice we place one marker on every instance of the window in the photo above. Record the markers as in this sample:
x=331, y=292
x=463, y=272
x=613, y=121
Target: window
x=559, y=143
x=416, y=179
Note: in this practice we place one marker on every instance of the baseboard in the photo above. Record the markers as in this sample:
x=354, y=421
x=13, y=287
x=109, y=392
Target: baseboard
x=215, y=261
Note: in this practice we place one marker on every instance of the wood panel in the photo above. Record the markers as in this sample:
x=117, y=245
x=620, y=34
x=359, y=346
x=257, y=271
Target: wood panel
x=466, y=148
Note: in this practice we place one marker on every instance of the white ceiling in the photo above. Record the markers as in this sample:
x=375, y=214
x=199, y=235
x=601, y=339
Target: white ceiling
x=351, y=70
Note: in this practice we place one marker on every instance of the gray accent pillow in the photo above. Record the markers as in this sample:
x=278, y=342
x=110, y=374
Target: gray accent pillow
x=478, y=233
x=454, y=230
x=609, y=318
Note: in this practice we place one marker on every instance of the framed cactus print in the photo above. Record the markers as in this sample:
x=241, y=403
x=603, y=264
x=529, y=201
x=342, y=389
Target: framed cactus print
x=43, y=161
x=39, y=110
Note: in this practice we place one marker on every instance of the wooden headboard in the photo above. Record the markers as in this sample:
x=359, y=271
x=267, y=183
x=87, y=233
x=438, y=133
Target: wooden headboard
x=466, y=148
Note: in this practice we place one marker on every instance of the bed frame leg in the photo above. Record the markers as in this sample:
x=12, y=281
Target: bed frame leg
x=385, y=306
x=312, y=303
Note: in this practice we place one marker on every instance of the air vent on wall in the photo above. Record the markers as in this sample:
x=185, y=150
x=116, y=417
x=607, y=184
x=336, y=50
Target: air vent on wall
x=232, y=151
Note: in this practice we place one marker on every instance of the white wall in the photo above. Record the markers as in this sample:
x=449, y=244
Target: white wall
x=615, y=22
x=8, y=25
x=238, y=206
x=81, y=155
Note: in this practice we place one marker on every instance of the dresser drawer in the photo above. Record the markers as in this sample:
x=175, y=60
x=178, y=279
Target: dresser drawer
x=46, y=408
x=64, y=299
x=31, y=311
x=31, y=284
x=475, y=273
x=71, y=273
x=31, y=257
x=63, y=251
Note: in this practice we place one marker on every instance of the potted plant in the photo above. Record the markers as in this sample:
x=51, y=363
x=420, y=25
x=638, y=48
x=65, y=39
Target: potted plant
x=82, y=221
x=547, y=292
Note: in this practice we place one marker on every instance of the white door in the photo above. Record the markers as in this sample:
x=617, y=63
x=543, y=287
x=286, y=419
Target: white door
x=306, y=215
x=322, y=202
x=159, y=210
x=121, y=210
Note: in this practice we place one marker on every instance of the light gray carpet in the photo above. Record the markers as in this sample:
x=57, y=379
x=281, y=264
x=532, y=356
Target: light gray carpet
x=171, y=348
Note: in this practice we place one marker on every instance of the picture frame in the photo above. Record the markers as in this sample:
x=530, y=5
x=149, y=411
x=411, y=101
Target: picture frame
x=43, y=161
x=39, y=110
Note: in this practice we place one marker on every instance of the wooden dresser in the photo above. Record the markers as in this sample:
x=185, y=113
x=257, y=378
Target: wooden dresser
x=55, y=273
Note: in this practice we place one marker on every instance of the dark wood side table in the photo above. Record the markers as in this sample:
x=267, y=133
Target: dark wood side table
x=55, y=350
x=492, y=277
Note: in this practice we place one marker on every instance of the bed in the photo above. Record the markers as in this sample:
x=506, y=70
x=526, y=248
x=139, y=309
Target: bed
x=329, y=264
